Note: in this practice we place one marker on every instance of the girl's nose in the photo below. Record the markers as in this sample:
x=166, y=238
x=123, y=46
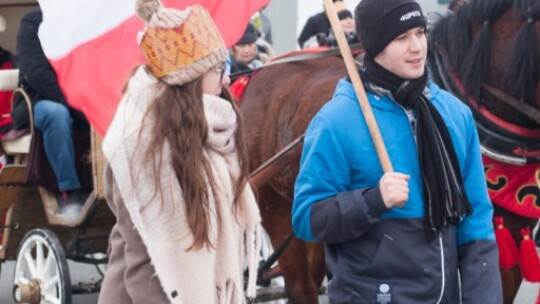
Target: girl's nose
x=225, y=81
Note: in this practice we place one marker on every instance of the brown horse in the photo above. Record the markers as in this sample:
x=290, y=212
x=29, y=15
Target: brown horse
x=281, y=100
x=277, y=106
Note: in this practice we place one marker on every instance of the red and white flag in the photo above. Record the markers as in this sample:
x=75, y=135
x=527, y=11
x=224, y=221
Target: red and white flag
x=92, y=45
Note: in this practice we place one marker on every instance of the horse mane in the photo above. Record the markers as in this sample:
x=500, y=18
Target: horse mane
x=471, y=60
x=523, y=72
x=452, y=35
x=477, y=62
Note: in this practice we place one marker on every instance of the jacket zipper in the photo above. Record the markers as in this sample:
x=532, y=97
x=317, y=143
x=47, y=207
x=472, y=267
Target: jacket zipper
x=442, y=270
x=412, y=125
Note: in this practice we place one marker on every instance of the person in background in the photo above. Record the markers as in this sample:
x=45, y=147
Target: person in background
x=177, y=175
x=53, y=117
x=317, y=25
x=421, y=234
x=246, y=54
x=349, y=29
x=263, y=25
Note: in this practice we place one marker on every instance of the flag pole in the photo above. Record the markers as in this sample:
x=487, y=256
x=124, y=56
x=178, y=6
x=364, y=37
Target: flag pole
x=358, y=87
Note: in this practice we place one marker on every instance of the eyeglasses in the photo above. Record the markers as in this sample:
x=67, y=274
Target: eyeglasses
x=220, y=69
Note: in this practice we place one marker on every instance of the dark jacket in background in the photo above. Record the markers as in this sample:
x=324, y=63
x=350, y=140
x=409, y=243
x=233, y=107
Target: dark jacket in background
x=36, y=74
x=317, y=24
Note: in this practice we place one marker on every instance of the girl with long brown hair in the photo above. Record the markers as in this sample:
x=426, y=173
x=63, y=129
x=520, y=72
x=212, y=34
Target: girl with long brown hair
x=187, y=220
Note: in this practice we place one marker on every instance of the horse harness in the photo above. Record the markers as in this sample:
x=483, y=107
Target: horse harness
x=499, y=139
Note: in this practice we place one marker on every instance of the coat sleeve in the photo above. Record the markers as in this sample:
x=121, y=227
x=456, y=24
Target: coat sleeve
x=325, y=208
x=35, y=69
x=478, y=253
x=307, y=32
x=130, y=274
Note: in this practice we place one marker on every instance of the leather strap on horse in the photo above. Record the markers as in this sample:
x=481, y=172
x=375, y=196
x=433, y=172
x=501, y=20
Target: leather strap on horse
x=506, y=144
x=299, y=57
x=527, y=110
x=263, y=277
x=311, y=56
x=522, y=107
x=274, y=165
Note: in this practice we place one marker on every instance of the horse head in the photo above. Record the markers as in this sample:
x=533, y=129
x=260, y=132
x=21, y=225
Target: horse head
x=495, y=42
x=490, y=50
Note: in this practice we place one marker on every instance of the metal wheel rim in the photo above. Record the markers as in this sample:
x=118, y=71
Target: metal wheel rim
x=38, y=260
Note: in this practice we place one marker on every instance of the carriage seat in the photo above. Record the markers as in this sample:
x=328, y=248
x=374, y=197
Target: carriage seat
x=9, y=79
x=16, y=141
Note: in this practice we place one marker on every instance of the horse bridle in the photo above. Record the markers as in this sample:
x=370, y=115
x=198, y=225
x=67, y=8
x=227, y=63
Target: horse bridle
x=497, y=142
x=525, y=109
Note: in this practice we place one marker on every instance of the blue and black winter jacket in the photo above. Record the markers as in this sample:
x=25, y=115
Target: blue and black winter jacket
x=378, y=255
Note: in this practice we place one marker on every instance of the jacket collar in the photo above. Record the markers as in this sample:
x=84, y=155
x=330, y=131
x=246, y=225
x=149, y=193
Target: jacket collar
x=379, y=97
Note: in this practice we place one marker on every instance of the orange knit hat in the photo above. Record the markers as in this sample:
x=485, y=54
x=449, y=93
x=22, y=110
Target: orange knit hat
x=179, y=46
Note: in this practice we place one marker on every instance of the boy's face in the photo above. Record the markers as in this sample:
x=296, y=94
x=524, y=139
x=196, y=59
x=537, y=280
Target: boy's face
x=245, y=53
x=348, y=25
x=406, y=55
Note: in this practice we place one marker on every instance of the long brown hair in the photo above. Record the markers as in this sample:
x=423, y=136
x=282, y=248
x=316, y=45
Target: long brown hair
x=180, y=121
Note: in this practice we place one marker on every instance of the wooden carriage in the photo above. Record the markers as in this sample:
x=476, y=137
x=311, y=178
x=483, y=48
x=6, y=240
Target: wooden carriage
x=34, y=232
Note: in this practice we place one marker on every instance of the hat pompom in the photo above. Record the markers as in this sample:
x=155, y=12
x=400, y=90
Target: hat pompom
x=146, y=8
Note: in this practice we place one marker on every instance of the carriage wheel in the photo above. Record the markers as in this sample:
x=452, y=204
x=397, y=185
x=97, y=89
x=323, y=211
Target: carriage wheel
x=41, y=270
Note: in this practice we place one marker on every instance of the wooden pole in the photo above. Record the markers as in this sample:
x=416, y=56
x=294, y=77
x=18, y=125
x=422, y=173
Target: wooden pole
x=358, y=87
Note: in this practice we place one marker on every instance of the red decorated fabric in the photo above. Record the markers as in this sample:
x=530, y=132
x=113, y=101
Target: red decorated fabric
x=516, y=188
x=239, y=87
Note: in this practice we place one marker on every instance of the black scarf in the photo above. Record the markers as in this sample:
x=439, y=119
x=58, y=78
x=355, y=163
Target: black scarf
x=445, y=199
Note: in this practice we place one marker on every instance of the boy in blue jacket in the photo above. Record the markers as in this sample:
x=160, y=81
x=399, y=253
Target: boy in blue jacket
x=439, y=247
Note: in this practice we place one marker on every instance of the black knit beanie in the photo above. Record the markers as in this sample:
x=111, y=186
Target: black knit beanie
x=378, y=22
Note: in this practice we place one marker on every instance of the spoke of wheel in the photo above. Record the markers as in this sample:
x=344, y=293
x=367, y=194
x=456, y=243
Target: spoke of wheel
x=39, y=259
x=23, y=280
x=30, y=264
x=50, y=282
x=48, y=261
x=51, y=299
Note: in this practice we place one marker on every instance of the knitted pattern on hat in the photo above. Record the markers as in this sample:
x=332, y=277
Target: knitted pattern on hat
x=179, y=46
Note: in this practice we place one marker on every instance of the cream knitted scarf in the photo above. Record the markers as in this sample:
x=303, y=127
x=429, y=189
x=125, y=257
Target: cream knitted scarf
x=208, y=275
